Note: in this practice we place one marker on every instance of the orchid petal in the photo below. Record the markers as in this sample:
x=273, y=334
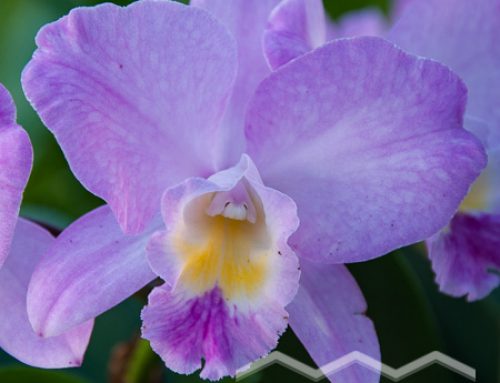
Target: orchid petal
x=368, y=141
x=91, y=267
x=295, y=27
x=134, y=97
x=16, y=335
x=480, y=128
x=462, y=34
x=15, y=165
x=466, y=256
x=328, y=316
x=246, y=20
x=399, y=7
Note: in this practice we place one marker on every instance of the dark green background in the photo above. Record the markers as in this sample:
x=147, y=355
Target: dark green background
x=411, y=317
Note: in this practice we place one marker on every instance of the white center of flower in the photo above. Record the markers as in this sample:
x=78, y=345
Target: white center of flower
x=233, y=211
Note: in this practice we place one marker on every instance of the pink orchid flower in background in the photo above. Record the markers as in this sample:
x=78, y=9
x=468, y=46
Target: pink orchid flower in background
x=465, y=35
x=21, y=246
x=233, y=177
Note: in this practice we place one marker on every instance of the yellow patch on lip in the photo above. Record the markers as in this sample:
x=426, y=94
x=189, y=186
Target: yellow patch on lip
x=232, y=254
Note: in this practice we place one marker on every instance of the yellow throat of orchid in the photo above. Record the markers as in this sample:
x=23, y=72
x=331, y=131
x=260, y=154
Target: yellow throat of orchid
x=229, y=248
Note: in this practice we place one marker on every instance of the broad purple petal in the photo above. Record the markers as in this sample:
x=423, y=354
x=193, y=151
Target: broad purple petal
x=91, y=267
x=15, y=165
x=229, y=276
x=328, y=316
x=16, y=334
x=466, y=255
x=246, y=20
x=134, y=97
x=295, y=27
x=368, y=141
x=462, y=34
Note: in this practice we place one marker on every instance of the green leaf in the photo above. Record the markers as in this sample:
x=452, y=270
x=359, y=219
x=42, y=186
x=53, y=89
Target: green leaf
x=143, y=361
x=470, y=330
x=336, y=8
x=46, y=216
x=119, y=325
x=405, y=321
x=33, y=375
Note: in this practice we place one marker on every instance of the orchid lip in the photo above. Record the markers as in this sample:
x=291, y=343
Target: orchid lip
x=229, y=272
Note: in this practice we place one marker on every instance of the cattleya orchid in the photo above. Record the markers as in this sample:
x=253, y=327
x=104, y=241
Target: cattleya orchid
x=243, y=189
x=22, y=244
x=464, y=35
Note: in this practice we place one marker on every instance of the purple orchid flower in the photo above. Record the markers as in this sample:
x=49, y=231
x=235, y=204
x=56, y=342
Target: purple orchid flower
x=21, y=246
x=165, y=108
x=464, y=35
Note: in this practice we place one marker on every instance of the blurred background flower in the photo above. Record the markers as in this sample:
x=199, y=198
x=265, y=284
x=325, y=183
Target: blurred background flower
x=412, y=318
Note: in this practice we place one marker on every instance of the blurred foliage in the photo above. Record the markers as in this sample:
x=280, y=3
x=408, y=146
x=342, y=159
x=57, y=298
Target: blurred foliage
x=471, y=331
x=337, y=8
x=411, y=316
x=26, y=374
